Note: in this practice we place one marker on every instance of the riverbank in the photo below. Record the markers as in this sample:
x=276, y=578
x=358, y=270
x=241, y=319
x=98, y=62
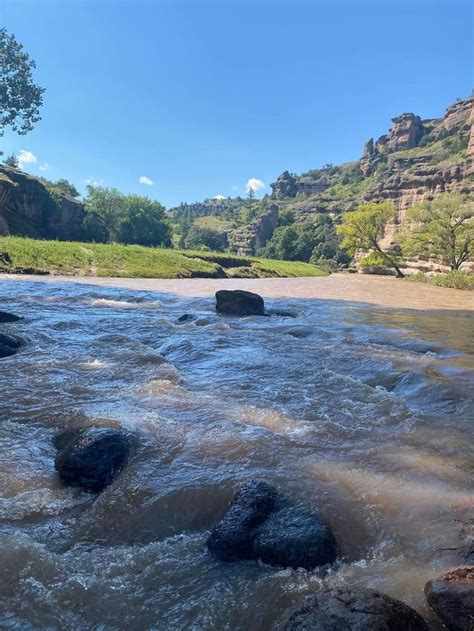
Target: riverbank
x=71, y=258
x=384, y=291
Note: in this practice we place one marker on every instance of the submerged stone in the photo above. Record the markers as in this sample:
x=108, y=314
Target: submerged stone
x=239, y=302
x=260, y=524
x=8, y=317
x=9, y=345
x=354, y=609
x=90, y=459
x=451, y=596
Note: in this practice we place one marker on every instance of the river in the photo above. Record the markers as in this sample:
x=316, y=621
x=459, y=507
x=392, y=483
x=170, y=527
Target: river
x=361, y=407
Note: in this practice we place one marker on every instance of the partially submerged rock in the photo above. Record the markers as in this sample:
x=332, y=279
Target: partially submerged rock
x=186, y=317
x=91, y=458
x=292, y=537
x=9, y=345
x=260, y=524
x=239, y=302
x=8, y=317
x=451, y=596
x=354, y=609
x=232, y=538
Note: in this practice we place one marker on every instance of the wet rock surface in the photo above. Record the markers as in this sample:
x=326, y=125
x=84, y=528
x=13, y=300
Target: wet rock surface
x=91, y=458
x=9, y=345
x=8, y=317
x=240, y=303
x=354, y=609
x=451, y=596
x=292, y=537
x=261, y=524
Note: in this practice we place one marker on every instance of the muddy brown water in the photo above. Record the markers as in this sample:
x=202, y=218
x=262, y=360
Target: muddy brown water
x=361, y=408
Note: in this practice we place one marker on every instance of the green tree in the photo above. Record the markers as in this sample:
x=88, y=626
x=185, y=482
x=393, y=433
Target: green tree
x=363, y=229
x=108, y=208
x=443, y=227
x=66, y=188
x=20, y=97
x=213, y=239
x=144, y=223
x=12, y=161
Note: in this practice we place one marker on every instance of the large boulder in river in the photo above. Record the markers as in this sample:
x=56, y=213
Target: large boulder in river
x=292, y=537
x=8, y=317
x=261, y=524
x=240, y=303
x=354, y=609
x=92, y=458
x=9, y=345
x=232, y=538
x=451, y=596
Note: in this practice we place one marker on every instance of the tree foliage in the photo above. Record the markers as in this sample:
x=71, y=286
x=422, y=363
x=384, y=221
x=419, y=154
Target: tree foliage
x=305, y=242
x=20, y=97
x=363, y=229
x=202, y=236
x=126, y=218
x=443, y=227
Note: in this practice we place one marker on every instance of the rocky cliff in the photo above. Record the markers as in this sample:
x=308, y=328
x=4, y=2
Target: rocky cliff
x=416, y=160
x=28, y=208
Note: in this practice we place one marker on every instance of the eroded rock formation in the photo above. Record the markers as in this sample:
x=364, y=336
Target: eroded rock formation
x=27, y=208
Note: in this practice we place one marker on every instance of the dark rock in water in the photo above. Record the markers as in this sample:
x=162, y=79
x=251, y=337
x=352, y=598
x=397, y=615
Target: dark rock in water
x=8, y=317
x=238, y=302
x=9, y=345
x=292, y=537
x=260, y=524
x=354, y=609
x=186, y=317
x=92, y=458
x=231, y=539
x=451, y=596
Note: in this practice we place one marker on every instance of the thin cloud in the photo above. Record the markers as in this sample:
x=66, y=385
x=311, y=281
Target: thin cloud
x=26, y=158
x=219, y=197
x=143, y=179
x=44, y=167
x=91, y=181
x=254, y=184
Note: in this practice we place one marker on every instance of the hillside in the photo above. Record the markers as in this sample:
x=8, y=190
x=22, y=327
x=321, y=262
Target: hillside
x=416, y=160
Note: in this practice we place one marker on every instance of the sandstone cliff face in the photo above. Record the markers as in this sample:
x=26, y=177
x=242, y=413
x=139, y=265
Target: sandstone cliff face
x=415, y=161
x=251, y=238
x=27, y=208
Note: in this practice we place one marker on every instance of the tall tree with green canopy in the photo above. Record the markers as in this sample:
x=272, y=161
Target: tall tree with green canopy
x=443, y=227
x=20, y=97
x=363, y=230
x=144, y=222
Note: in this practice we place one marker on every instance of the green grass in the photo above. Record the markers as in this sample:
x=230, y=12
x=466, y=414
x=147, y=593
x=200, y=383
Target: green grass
x=21, y=255
x=454, y=280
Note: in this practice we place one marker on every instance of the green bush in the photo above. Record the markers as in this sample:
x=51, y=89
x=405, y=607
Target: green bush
x=454, y=280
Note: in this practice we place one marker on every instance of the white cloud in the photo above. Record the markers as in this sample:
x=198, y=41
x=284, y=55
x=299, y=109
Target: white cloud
x=219, y=197
x=44, y=167
x=143, y=179
x=91, y=181
x=26, y=158
x=254, y=184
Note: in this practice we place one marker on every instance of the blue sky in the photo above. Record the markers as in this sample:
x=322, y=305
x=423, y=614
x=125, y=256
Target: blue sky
x=198, y=97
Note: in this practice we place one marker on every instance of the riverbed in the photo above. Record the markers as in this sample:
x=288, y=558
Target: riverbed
x=360, y=408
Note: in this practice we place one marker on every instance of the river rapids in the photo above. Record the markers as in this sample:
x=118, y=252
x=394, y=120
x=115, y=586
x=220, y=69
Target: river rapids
x=362, y=413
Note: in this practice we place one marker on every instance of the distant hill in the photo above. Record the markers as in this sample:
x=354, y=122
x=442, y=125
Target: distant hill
x=416, y=160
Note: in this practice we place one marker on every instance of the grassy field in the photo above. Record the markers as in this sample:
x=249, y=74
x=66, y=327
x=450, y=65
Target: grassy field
x=19, y=255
